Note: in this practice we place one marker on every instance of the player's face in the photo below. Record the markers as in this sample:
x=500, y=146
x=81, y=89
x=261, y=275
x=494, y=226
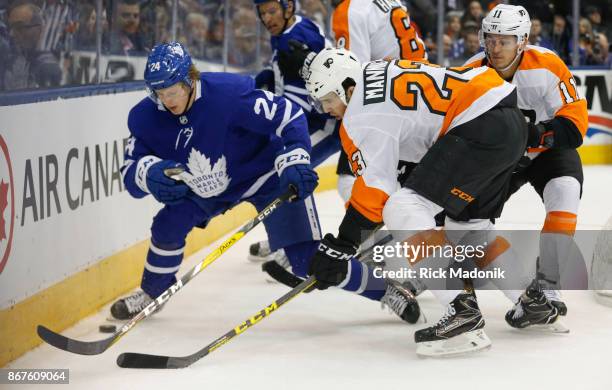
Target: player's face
x=174, y=98
x=501, y=49
x=333, y=105
x=272, y=16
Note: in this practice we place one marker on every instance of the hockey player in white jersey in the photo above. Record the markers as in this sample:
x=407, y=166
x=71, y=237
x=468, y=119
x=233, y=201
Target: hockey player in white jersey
x=558, y=119
x=462, y=127
x=373, y=30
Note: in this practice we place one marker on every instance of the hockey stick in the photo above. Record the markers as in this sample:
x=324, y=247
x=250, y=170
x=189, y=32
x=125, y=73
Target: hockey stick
x=142, y=360
x=281, y=275
x=97, y=347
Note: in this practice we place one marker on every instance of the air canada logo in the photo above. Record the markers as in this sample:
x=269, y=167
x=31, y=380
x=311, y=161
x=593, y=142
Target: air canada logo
x=7, y=204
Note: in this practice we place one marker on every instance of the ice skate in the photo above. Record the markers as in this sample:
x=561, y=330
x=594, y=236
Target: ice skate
x=459, y=331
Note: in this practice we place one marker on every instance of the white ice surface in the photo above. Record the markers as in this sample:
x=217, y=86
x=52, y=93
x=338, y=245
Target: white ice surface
x=333, y=340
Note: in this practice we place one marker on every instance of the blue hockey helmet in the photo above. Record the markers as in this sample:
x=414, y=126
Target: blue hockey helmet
x=168, y=64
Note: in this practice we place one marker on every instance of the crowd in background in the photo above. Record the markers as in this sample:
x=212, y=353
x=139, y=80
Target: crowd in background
x=39, y=38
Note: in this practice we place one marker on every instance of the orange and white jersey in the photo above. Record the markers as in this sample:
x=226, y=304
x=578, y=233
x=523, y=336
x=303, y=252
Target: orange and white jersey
x=375, y=29
x=398, y=111
x=545, y=88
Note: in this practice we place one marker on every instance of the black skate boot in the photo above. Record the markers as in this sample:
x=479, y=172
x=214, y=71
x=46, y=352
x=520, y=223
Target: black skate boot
x=128, y=307
x=401, y=301
x=533, y=309
x=260, y=252
x=459, y=331
x=549, y=288
x=554, y=296
x=415, y=286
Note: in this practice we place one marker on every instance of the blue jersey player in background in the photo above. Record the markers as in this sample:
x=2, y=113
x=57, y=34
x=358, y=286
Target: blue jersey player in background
x=282, y=78
x=236, y=143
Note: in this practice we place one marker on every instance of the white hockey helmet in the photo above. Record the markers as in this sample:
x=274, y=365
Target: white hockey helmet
x=328, y=70
x=506, y=19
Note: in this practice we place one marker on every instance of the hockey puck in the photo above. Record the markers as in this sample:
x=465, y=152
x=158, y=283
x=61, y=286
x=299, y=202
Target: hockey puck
x=108, y=328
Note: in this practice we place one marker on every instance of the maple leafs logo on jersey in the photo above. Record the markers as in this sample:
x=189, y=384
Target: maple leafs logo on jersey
x=3, y=203
x=204, y=178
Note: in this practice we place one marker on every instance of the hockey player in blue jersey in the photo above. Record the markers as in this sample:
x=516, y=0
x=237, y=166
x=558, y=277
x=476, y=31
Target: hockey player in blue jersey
x=236, y=143
x=279, y=19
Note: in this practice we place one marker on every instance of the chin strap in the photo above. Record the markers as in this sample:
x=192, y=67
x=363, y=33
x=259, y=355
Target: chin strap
x=188, y=100
x=516, y=57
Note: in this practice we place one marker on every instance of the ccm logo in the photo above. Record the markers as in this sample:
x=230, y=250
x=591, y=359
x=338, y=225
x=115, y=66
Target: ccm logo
x=462, y=195
x=334, y=254
x=266, y=213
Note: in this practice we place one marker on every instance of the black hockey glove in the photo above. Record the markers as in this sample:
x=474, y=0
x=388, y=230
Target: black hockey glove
x=539, y=137
x=329, y=265
x=290, y=62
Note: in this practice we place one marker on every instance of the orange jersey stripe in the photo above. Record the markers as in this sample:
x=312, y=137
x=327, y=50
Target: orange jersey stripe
x=577, y=113
x=475, y=64
x=427, y=238
x=467, y=93
x=493, y=251
x=561, y=222
x=340, y=24
x=368, y=201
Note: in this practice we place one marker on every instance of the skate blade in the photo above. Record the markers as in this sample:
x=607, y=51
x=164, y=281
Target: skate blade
x=256, y=259
x=556, y=327
x=466, y=343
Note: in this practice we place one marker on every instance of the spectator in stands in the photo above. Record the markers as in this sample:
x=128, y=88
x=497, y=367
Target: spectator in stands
x=86, y=33
x=243, y=50
x=61, y=23
x=196, y=34
x=598, y=53
x=453, y=30
x=315, y=11
x=155, y=19
x=453, y=25
x=27, y=66
x=126, y=35
x=589, y=49
x=472, y=43
x=535, y=35
x=605, y=48
x=560, y=38
x=474, y=13
x=594, y=15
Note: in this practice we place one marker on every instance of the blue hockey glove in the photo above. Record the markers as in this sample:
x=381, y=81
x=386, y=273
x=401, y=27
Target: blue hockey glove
x=164, y=189
x=329, y=265
x=293, y=168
